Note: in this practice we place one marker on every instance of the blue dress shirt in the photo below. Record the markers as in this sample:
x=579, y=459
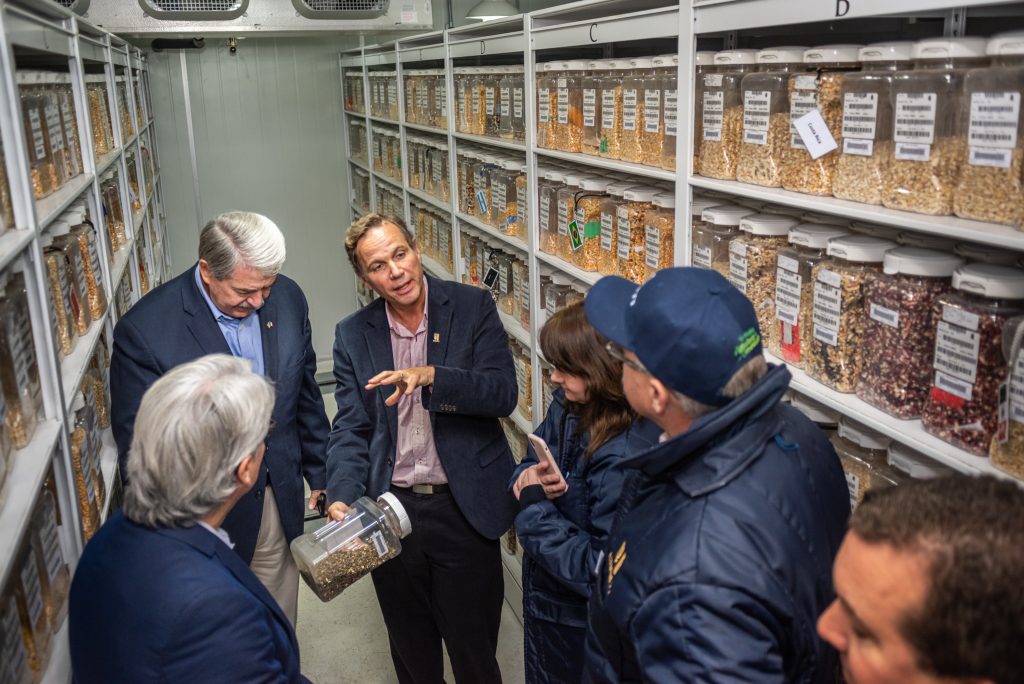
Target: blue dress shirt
x=242, y=334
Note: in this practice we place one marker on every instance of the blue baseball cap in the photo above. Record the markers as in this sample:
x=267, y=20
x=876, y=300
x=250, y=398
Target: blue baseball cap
x=689, y=327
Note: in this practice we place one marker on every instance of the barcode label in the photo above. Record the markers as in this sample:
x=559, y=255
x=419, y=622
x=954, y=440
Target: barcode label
x=990, y=156
x=33, y=590
x=956, y=351
x=757, y=105
x=1017, y=390
x=915, y=118
x=859, y=113
x=671, y=113
x=799, y=104
x=563, y=218
x=589, y=107
x=607, y=108
x=713, y=80
x=863, y=148
x=652, y=246
x=623, y=233
x=545, y=211
x=543, y=105
x=755, y=137
x=738, y=268
x=884, y=316
x=994, y=120
x=563, y=103
x=607, y=231
x=957, y=316
x=788, y=291
x=38, y=144
x=827, y=312
x=629, y=102
x=517, y=103
x=53, y=128
x=379, y=545
x=712, y=117
x=954, y=386
x=51, y=543
x=702, y=256
x=13, y=661
x=788, y=263
x=913, y=152
x=652, y=111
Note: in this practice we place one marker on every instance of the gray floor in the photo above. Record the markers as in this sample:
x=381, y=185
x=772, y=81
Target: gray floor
x=344, y=641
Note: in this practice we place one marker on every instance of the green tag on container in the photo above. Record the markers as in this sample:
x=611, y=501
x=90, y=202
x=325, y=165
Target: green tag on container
x=575, y=239
x=592, y=229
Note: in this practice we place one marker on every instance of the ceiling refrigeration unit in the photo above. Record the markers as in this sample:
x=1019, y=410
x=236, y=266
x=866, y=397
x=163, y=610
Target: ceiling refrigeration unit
x=186, y=18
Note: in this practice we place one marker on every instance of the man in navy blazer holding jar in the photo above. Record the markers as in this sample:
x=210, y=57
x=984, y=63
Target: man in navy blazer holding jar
x=423, y=374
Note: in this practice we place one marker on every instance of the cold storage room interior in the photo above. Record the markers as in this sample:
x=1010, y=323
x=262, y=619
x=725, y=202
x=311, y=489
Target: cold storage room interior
x=856, y=171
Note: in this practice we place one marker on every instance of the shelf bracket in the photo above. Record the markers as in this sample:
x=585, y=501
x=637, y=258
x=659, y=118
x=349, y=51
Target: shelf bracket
x=955, y=23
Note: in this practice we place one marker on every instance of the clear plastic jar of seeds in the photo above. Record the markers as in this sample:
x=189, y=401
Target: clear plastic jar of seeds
x=438, y=155
x=547, y=104
x=667, y=67
x=510, y=89
x=99, y=115
x=73, y=263
x=47, y=175
x=588, y=200
x=504, y=192
x=928, y=151
x=991, y=185
x=821, y=90
x=19, y=372
x=766, y=127
x=753, y=263
x=520, y=280
x=720, y=103
x=591, y=87
x=69, y=126
x=1007, y=447
x=863, y=455
x=490, y=83
x=608, y=259
x=867, y=122
x=556, y=295
x=970, y=365
x=503, y=289
x=81, y=466
x=723, y=226
x=464, y=160
x=631, y=230
x=698, y=230
x=547, y=203
x=354, y=100
x=659, y=241
x=634, y=102
x=569, y=111
x=565, y=212
x=60, y=296
x=899, y=331
x=794, y=289
x=50, y=564
x=482, y=170
x=611, y=125
x=463, y=98
x=835, y=355
x=704, y=64
x=28, y=595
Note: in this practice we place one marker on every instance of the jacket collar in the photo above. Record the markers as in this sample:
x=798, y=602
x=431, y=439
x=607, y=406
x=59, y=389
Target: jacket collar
x=719, y=446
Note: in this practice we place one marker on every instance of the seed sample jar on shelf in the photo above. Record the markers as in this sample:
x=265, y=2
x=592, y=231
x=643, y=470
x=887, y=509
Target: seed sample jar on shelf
x=794, y=289
x=991, y=186
x=608, y=259
x=19, y=372
x=868, y=122
x=659, y=241
x=36, y=104
x=819, y=90
x=490, y=83
x=503, y=290
x=634, y=102
x=99, y=115
x=354, y=100
x=28, y=595
x=720, y=105
x=704, y=64
x=61, y=312
x=836, y=352
x=587, y=203
x=464, y=161
x=970, y=364
x=520, y=280
x=899, y=332
x=564, y=212
x=698, y=230
x=391, y=94
x=597, y=70
x=556, y=295
x=863, y=455
x=69, y=126
x=439, y=180
x=569, y=111
x=127, y=125
x=631, y=231
x=547, y=105
x=85, y=235
x=504, y=191
x=86, y=481
x=510, y=90
x=69, y=247
x=482, y=170
x=753, y=263
x=652, y=141
x=463, y=97
x=610, y=144
x=53, y=571
x=766, y=127
x=928, y=150
x=439, y=100
x=547, y=203
x=722, y=227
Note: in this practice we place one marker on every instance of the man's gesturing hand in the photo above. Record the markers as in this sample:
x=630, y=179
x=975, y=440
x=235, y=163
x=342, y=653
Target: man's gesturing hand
x=405, y=381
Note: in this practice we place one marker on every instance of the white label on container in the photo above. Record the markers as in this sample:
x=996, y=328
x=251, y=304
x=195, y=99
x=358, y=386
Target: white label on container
x=38, y=144
x=435, y=168
x=800, y=103
x=51, y=542
x=13, y=660
x=623, y=233
x=956, y=351
x=489, y=101
x=392, y=90
x=526, y=301
x=589, y=107
x=475, y=102
x=521, y=203
x=53, y=127
x=1017, y=390
x=33, y=590
x=787, y=293
x=805, y=82
x=830, y=278
x=884, y=315
x=506, y=101
x=814, y=134
x=607, y=231
x=788, y=263
x=957, y=316
x=671, y=113
x=652, y=246
x=713, y=80
x=517, y=103
x=860, y=111
x=545, y=210
x=757, y=107
x=498, y=196
x=652, y=111
x=629, y=103
x=994, y=120
x=543, y=105
x=19, y=335
x=563, y=102
x=915, y=118
x=863, y=148
x=738, y=266
x=441, y=96
x=913, y=152
x=852, y=488
x=503, y=280
x=607, y=108
x=828, y=303
x=379, y=545
x=956, y=387
x=990, y=156
x=702, y=256
x=563, y=218
x=712, y=118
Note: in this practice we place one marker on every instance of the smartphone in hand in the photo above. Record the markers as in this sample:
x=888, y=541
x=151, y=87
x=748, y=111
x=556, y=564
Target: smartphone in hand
x=544, y=454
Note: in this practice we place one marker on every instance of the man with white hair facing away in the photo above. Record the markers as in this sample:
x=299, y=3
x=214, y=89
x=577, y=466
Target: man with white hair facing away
x=223, y=305
x=158, y=595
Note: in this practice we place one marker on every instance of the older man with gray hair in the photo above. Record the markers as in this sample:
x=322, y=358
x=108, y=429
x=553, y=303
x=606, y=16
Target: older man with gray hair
x=223, y=304
x=158, y=595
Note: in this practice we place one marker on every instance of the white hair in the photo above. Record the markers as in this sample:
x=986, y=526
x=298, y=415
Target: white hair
x=741, y=381
x=193, y=428
x=239, y=238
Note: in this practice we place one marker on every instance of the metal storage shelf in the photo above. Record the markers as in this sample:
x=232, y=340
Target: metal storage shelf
x=521, y=422
x=12, y=244
x=610, y=164
x=51, y=206
x=359, y=164
x=425, y=129
x=568, y=269
x=493, y=142
x=430, y=199
x=514, y=328
x=104, y=162
x=58, y=667
x=73, y=366
x=436, y=268
x=396, y=182
x=491, y=231
x=382, y=120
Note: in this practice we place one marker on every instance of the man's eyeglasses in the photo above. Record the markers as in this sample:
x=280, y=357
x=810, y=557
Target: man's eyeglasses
x=617, y=353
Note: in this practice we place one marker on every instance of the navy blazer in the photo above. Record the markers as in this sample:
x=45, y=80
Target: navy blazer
x=173, y=325
x=173, y=605
x=474, y=385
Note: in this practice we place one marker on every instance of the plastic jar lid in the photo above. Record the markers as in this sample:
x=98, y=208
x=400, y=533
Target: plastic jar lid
x=45, y=240
x=920, y=262
x=617, y=64
x=1011, y=43
x=860, y=248
x=790, y=54
x=989, y=280
x=725, y=214
x=730, y=57
x=827, y=54
x=60, y=227
x=946, y=48
x=551, y=66
x=640, y=194
x=641, y=63
x=598, y=64
x=665, y=201
x=74, y=216
x=861, y=435
x=555, y=175
x=699, y=204
x=814, y=235
x=911, y=238
x=663, y=61
x=404, y=524
x=816, y=411
x=767, y=224
x=559, y=279
x=618, y=187
x=512, y=165
x=702, y=58
x=986, y=255
x=575, y=65
x=914, y=463
x=572, y=179
x=815, y=217
x=896, y=51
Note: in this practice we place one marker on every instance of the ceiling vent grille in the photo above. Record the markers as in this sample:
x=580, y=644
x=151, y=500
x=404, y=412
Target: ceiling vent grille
x=341, y=9
x=76, y=6
x=195, y=10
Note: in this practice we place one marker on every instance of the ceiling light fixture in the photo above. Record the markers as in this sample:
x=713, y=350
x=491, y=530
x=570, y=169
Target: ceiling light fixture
x=492, y=9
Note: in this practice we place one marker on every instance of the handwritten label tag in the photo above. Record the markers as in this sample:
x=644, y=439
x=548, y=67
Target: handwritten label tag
x=815, y=134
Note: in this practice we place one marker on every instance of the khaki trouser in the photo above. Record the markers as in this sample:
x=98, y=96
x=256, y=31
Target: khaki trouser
x=272, y=562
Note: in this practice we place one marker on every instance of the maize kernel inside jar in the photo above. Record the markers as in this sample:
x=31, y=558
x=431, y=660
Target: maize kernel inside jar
x=970, y=364
x=720, y=101
x=634, y=102
x=928, y=151
x=504, y=191
x=19, y=372
x=867, y=122
x=34, y=104
x=547, y=105
x=659, y=238
x=610, y=144
x=668, y=66
x=631, y=231
x=991, y=185
x=586, y=251
x=835, y=355
x=753, y=263
x=766, y=128
x=794, y=289
x=821, y=90
x=723, y=226
x=899, y=331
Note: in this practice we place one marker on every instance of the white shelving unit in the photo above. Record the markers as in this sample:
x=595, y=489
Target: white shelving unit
x=42, y=35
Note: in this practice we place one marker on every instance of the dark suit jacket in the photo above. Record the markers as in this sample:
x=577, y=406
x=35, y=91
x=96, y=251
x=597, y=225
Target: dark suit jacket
x=173, y=605
x=173, y=325
x=474, y=384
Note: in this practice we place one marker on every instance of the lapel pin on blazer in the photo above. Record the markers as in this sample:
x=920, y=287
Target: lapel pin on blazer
x=437, y=337
x=270, y=324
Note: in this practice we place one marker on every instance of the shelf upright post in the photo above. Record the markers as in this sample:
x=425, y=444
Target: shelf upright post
x=684, y=136
x=367, y=110
x=403, y=159
x=533, y=215
x=11, y=128
x=453, y=184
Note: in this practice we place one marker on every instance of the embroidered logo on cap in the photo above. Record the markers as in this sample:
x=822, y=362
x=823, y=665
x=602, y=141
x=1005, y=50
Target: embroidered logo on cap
x=747, y=342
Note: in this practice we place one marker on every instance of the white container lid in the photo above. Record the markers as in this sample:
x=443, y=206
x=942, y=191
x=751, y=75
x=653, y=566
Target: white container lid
x=575, y=65
x=45, y=240
x=640, y=194
x=665, y=200
x=912, y=238
x=512, y=165
x=559, y=279
x=730, y=57
x=618, y=187
x=985, y=254
x=895, y=51
x=75, y=215
x=815, y=235
x=617, y=64
x=988, y=280
x=699, y=204
x=641, y=63
x=914, y=463
x=403, y=518
x=725, y=214
x=826, y=54
x=815, y=410
x=1011, y=43
x=861, y=435
x=920, y=262
x=572, y=179
x=662, y=61
x=598, y=64
x=815, y=217
x=60, y=227
x=702, y=58
x=593, y=184
x=555, y=175
x=767, y=224
x=860, y=248
x=946, y=48
x=791, y=54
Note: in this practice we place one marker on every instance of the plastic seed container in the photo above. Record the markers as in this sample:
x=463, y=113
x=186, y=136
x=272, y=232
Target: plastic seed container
x=863, y=455
x=79, y=289
x=969, y=363
x=331, y=559
x=564, y=212
x=19, y=373
x=704, y=64
x=720, y=102
x=698, y=229
x=631, y=230
x=899, y=332
x=61, y=311
x=69, y=126
x=597, y=70
x=723, y=226
x=634, y=102
x=547, y=105
x=659, y=241
x=611, y=123
x=47, y=175
x=608, y=259
x=547, y=203
x=667, y=66
x=753, y=263
x=28, y=595
x=99, y=115
x=588, y=200
x=505, y=192
x=569, y=110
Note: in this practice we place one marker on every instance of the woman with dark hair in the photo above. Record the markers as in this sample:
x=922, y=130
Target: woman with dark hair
x=563, y=521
